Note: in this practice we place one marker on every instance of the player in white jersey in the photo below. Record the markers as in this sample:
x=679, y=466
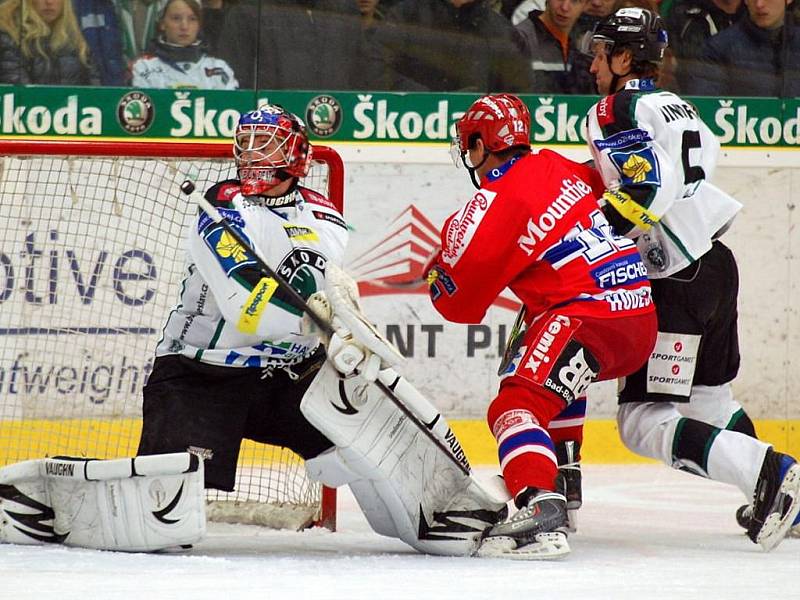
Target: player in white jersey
x=657, y=157
x=232, y=351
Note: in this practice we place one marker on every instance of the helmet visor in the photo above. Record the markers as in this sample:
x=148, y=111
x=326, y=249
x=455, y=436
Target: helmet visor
x=591, y=44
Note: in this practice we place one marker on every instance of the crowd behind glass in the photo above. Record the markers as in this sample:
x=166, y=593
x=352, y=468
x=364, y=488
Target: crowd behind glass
x=717, y=47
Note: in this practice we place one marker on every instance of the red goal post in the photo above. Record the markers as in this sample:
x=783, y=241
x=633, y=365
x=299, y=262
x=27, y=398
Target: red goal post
x=91, y=262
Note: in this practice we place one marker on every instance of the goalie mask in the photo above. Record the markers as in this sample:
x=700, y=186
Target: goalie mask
x=270, y=147
x=501, y=121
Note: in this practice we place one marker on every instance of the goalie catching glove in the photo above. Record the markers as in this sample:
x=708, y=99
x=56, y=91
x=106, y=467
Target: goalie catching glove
x=355, y=347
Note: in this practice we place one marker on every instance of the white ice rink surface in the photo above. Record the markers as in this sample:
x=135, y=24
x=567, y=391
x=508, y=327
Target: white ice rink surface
x=645, y=532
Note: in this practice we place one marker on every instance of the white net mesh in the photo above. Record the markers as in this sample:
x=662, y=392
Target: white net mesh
x=91, y=262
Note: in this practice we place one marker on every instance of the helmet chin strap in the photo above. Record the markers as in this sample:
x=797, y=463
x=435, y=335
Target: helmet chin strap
x=472, y=170
x=616, y=77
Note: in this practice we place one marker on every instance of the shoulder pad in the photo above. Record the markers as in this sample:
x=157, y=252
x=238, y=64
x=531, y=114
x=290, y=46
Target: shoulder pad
x=316, y=198
x=222, y=193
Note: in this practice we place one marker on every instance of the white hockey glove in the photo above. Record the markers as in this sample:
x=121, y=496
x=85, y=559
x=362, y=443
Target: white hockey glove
x=355, y=347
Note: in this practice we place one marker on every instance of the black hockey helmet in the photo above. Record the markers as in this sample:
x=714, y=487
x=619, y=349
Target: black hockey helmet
x=636, y=29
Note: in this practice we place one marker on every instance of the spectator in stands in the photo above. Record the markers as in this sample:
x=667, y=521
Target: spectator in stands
x=296, y=44
x=548, y=42
x=40, y=42
x=100, y=28
x=448, y=45
x=759, y=55
x=177, y=57
x=691, y=23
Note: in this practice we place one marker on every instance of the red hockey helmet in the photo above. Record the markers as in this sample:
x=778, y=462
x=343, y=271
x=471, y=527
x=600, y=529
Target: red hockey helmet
x=270, y=146
x=502, y=121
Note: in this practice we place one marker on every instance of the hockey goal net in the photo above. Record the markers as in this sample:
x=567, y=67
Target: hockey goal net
x=91, y=262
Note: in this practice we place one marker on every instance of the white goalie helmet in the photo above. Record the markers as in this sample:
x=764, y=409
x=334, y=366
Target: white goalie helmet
x=270, y=147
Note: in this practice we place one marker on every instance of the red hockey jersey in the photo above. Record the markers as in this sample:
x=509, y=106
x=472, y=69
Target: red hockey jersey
x=535, y=227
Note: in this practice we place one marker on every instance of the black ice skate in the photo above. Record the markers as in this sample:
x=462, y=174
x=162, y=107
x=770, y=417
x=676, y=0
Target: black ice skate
x=569, y=480
x=536, y=532
x=777, y=500
x=744, y=515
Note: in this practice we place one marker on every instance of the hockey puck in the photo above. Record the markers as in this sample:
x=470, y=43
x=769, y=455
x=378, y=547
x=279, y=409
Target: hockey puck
x=187, y=187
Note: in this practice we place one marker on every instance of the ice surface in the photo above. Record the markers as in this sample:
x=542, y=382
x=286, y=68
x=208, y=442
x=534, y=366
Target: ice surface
x=645, y=532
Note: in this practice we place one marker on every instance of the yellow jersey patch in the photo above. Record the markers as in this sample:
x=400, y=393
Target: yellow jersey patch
x=256, y=304
x=630, y=209
x=301, y=233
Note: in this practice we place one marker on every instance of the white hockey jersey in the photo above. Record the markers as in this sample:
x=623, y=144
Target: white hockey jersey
x=207, y=73
x=657, y=157
x=229, y=313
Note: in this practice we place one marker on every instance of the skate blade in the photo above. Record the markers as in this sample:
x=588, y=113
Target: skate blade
x=546, y=547
x=776, y=526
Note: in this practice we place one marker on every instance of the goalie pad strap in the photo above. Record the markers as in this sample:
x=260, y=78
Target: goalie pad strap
x=122, y=468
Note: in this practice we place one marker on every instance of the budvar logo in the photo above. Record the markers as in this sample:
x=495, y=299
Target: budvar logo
x=464, y=224
x=393, y=264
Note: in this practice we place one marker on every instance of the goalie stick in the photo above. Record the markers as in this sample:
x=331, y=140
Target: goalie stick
x=188, y=188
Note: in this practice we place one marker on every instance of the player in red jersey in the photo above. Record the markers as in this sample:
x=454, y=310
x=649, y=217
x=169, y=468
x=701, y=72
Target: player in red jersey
x=534, y=226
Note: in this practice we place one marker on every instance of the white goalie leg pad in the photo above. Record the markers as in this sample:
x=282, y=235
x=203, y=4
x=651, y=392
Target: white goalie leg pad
x=405, y=484
x=330, y=469
x=137, y=504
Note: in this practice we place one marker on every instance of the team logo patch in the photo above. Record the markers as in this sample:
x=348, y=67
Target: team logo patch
x=438, y=276
x=639, y=167
x=230, y=255
x=135, y=112
x=623, y=139
x=324, y=115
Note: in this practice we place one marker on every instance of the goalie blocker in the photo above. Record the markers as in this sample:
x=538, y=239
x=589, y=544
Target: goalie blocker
x=137, y=504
